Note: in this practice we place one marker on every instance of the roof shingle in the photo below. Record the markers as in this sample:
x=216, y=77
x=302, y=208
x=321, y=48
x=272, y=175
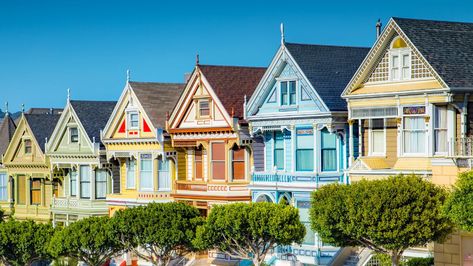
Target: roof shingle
x=7, y=129
x=93, y=115
x=42, y=126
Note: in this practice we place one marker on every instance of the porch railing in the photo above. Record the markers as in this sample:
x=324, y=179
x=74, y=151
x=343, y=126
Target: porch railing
x=294, y=177
x=464, y=147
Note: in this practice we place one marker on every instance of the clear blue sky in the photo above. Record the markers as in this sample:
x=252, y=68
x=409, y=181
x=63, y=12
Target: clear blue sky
x=48, y=46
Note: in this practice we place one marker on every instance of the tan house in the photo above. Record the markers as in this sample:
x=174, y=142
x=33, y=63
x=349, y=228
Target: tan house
x=409, y=110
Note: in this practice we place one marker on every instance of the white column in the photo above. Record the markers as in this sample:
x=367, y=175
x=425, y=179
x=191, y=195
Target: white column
x=316, y=147
x=293, y=148
x=78, y=182
x=360, y=138
x=350, y=143
x=92, y=183
x=190, y=166
x=451, y=128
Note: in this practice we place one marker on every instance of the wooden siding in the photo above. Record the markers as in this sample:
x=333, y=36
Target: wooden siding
x=181, y=165
x=391, y=141
x=258, y=153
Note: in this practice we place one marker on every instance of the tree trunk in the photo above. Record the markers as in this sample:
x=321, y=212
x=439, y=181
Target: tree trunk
x=395, y=258
x=256, y=260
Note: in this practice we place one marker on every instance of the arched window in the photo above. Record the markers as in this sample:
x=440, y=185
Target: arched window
x=263, y=198
x=399, y=60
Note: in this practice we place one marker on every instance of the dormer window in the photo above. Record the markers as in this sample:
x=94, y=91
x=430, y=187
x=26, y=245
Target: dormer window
x=204, y=108
x=400, y=60
x=288, y=92
x=74, y=135
x=133, y=120
x=28, y=148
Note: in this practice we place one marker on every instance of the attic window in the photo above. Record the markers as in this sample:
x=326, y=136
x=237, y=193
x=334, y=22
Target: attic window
x=204, y=108
x=288, y=92
x=398, y=43
x=28, y=148
x=399, y=60
x=74, y=135
x=133, y=120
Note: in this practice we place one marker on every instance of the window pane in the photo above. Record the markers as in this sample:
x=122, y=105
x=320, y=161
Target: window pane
x=414, y=135
x=146, y=174
x=284, y=99
x=329, y=160
x=101, y=184
x=328, y=139
x=238, y=165
x=84, y=173
x=84, y=181
x=134, y=120
x=305, y=160
x=198, y=164
x=377, y=145
x=164, y=178
x=74, y=133
x=73, y=183
x=35, y=191
x=292, y=92
x=3, y=186
x=218, y=161
x=21, y=189
x=395, y=61
x=309, y=238
x=218, y=170
x=278, y=140
x=279, y=158
x=204, y=108
x=27, y=146
x=218, y=151
x=130, y=173
x=405, y=60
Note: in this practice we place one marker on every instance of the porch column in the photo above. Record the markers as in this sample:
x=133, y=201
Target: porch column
x=78, y=182
x=350, y=143
x=92, y=182
x=316, y=147
x=360, y=138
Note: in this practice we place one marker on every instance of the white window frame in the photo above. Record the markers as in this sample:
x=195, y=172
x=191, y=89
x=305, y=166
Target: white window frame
x=169, y=181
x=280, y=95
x=435, y=129
x=151, y=171
x=402, y=146
x=70, y=134
x=319, y=151
x=400, y=53
x=89, y=182
x=129, y=121
x=198, y=102
x=370, y=138
x=127, y=167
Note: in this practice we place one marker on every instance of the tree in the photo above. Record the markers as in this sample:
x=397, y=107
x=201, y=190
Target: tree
x=91, y=240
x=22, y=243
x=158, y=232
x=388, y=216
x=459, y=206
x=249, y=231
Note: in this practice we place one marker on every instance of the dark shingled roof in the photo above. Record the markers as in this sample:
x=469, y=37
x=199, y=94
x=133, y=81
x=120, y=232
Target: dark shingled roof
x=232, y=83
x=93, y=115
x=7, y=129
x=157, y=99
x=447, y=46
x=328, y=68
x=42, y=126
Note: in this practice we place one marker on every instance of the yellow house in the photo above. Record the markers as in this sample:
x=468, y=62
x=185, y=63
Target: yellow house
x=409, y=107
x=135, y=140
x=7, y=129
x=28, y=166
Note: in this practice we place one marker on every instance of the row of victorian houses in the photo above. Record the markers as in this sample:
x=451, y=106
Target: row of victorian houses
x=316, y=115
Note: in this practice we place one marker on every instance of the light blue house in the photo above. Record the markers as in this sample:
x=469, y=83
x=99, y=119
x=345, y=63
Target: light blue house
x=299, y=124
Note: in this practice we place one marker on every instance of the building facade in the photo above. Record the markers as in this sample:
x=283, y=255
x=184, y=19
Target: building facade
x=135, y=141
x=410, y=108
x=78, y=162
x=7, y=129
x=300, y=133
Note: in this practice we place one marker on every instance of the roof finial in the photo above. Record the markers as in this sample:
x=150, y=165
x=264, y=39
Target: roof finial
x=23, y=108
x=378, y=28
x=197, y=59
x=6, y=108
x=68, y=94
x=282, y=33
x=127, y=75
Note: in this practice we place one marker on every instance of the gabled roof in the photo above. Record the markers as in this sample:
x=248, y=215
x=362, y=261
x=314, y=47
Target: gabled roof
x=328, y=69
x=447, y=46
x=42, y=126
x=157, y=99
x=232, y=83
x=7, y=129
x=93, y=115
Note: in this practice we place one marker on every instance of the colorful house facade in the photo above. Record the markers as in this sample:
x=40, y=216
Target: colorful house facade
x=28, y=166
x=211, y=137
x=77, y=158
x=409, y=106
x=300, y=133
x=7, y=129
x=135, y=141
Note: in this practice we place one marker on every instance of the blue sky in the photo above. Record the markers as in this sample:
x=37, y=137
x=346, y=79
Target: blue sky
x=49, y=46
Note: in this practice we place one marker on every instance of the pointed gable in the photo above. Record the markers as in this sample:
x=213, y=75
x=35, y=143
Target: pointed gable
x=328, y=69
x=7, y=129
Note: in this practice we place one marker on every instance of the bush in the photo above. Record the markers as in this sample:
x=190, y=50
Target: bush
x=420, y=262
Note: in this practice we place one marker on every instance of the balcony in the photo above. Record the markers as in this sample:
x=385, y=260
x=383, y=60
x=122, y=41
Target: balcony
x=73, y=204
x=464, y=147
x=214, y=190
x=284, y=179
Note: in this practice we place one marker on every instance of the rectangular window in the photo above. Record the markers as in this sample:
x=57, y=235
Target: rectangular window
x=73, y=183
x=3, y=187
x=21, y=189
x=35, y=191
x=218, y=161
x=329, y=151
x=204, y=108
x=288, y=92
x=130, y=173
x=440, y=129
x=28, y=148
x=395, y=67
x=305, y=150
x=414, y=135
x=55, y=185
x=238, y=164
x=164, y=178
x=146, y=172
x=133, y=118
x=74, y=134
x=278, y=150
x=377, y=140
x=406, y=66
x=198, y=164
x=101, y=184
x=84, y=175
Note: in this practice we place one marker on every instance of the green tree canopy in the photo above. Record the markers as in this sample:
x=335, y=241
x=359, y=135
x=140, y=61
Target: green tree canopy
x=249, y=231
x=459, y=206
x=158, y=232
x=91, y=240
x=22, y=243
x=387, y=216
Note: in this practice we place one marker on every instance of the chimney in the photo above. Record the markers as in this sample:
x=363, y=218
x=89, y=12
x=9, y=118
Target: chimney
x=378, y=28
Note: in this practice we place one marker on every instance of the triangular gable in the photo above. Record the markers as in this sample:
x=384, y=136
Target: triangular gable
x=15, y=152
x=118, y=125
x=59, y=142
x=266, y=95
x=185, y=113
x=375, y=66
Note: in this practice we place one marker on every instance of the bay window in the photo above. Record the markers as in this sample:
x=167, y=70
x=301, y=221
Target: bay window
x=238, y=164
x=164, y=178
x=35, y=191
x=146, y=172
x=130, y=173
x=377, y=140
x=218, y=160
x=84, y=175
x=3, y=186
x=278, y=150
x=73, y=183
x=440, y=129
x=329, y=151
x=414, y=132
x=101, y=184
x=288, y=92
x=305, y=150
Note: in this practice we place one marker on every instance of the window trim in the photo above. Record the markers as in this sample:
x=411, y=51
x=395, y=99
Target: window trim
x=129, y=125
x=151, y=171
x=198, y=110
x=402, y=144
x=127, y=168
x=30, y=146
x=370, y=138
x=101, y=182
x=400, y=52
x=36, y=179
x=70, y=134
x=84, y=182
x=225, y=153
x=4, y=186
x=288, y=93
